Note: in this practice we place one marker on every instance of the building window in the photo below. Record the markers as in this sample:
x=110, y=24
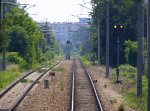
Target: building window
x=69, y=28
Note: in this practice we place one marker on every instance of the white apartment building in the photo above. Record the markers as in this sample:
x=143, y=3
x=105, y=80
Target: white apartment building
x=64, y=31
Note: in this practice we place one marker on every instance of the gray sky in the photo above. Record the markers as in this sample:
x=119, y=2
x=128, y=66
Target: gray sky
x=57, y=10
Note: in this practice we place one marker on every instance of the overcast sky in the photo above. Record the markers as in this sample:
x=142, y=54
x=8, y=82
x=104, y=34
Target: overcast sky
x=57, y=10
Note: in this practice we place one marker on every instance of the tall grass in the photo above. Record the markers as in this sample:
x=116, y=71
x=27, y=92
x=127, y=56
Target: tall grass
x=61, y=84
x=138, y=103
x=128, y=75
x=86, y=62
x=8, y=76
x=59, y=69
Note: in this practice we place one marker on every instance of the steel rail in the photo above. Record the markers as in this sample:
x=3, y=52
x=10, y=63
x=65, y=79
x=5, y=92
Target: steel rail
x=9, y=87
x=94, y=88
x=3, y=92
x=73, y=86
x=16, y=104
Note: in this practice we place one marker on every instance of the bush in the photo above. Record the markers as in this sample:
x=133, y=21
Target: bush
x=131, y=52
x=128, y=67
x=42, y=59
x=8, y=76
x=49, y=54
x=85, y=61
x=13, y=68
x=14, y=57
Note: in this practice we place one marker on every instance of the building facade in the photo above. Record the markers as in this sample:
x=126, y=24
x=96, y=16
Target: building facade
x=64, y=31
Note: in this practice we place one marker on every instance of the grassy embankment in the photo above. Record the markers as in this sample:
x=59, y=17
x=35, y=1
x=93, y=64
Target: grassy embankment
x=13, y=72
x=128, y=76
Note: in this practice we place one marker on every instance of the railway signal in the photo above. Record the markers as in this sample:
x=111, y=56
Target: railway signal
x=68, y=50
x=118, y=30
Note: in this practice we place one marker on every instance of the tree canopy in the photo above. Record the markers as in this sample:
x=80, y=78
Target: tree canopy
x=23, y=35
x=121, y=12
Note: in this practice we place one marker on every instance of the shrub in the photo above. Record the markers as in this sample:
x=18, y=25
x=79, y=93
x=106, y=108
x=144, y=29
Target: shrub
x=128, y=70
x=14, y=57
x=61, y=84
x=85, y=61
x=59, y=69
x=42, y=59
x=8, y=76
x=49, y=54
x=13, y=68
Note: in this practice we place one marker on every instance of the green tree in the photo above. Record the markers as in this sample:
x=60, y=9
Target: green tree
x=25, y=35
x=124, y=12
x=131, y=52
x=18, y=40
x=81, y=40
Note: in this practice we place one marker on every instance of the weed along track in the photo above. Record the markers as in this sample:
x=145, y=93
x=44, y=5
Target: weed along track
x=84, y=95
x=12, y=96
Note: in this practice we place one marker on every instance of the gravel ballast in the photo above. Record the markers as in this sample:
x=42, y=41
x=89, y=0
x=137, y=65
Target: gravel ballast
x=107, y=91
x=54, y=98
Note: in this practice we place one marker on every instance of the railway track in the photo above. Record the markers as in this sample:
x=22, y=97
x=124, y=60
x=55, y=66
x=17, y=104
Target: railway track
x=12, y=96
x=84, y=95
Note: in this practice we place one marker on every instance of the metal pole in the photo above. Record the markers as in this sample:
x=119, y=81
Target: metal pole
x=1, y=13
x=148, y=34
x=107, y=40
x=143, y=61
x=99, y=41
x=3, y=28
x=139, y=56
x=117, y=70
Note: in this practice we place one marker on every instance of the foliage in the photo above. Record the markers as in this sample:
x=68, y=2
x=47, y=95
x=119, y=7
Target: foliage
x=136, y=102
x=14, y=57
x=42, y=59
x=13, y=68
x=24, y=80
x=128, y=76
x=60, y=69
x=131, y=52
x=51, y=45
x=25, y=44
x=13, y=72
x=49, y=54
x=81, y=44
x=86, y=62
x=61, y=85
x=128, y=68
x=6, y=77
x=3, y=39
x=123, y=12
x=128, y=71
x=24, y=36
x=18, y=40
